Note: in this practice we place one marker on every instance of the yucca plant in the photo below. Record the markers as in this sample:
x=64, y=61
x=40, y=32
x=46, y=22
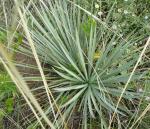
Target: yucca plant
x=88, y=64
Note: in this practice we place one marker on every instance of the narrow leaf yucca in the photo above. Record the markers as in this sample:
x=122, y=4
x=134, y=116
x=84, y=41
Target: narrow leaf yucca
x=88, y=63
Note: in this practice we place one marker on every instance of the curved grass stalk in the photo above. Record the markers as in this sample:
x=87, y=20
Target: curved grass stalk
x=23, y=88
x=38, y=63
x=141, y=116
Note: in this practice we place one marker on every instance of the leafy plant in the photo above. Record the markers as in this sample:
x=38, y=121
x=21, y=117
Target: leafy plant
x=68, y=39
x=3, y=36
x=7, y=94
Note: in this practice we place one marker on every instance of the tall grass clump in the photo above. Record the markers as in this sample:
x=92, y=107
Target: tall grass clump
x=88, y=66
